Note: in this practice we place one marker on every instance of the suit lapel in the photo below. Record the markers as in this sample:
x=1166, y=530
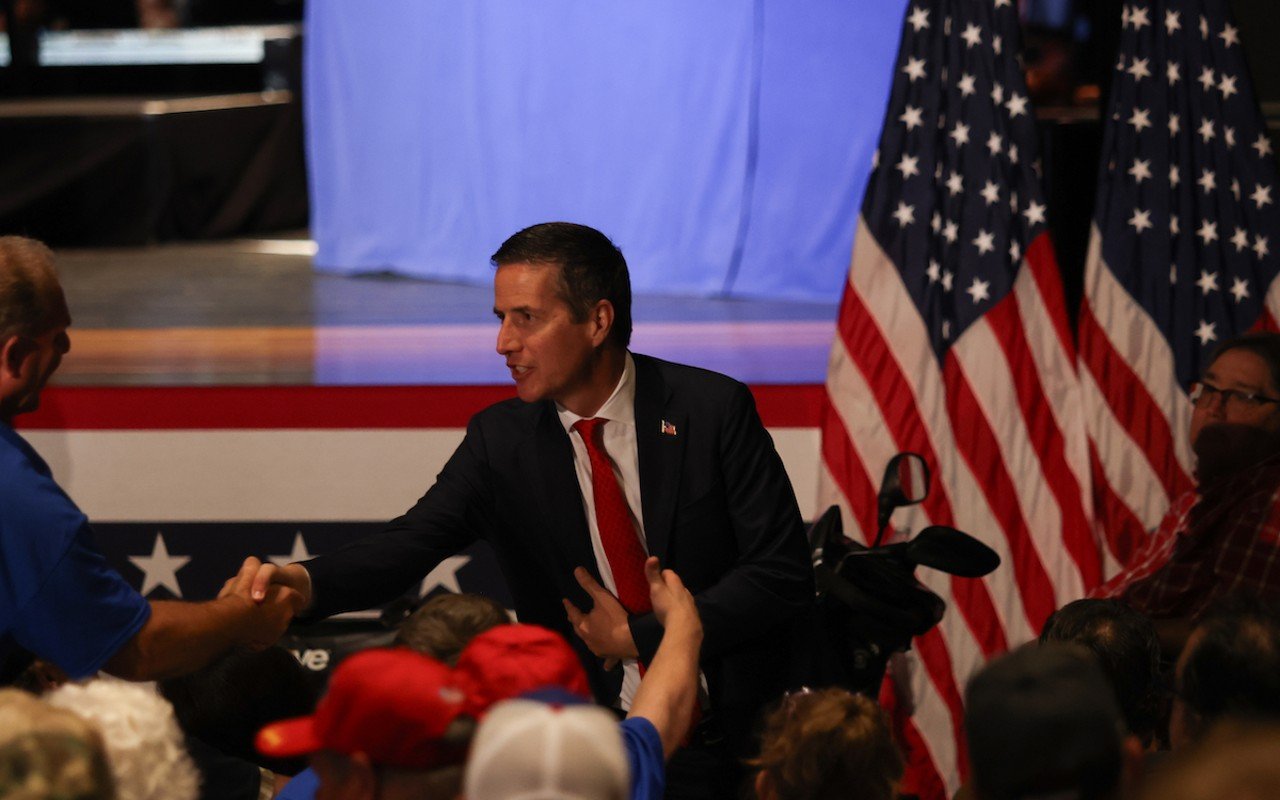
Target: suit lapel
x=660, y=448
x=560, y=495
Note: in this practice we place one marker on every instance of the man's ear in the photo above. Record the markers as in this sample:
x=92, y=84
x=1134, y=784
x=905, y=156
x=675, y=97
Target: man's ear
x=14, y=352
x=602, y=322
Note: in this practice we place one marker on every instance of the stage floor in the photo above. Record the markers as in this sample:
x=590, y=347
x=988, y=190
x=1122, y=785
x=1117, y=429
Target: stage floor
x=252, y=312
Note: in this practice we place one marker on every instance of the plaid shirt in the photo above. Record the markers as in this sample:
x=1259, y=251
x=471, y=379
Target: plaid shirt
x=1224, y=540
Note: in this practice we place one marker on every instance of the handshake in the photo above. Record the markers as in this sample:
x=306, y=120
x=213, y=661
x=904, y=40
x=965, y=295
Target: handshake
x=267, y=597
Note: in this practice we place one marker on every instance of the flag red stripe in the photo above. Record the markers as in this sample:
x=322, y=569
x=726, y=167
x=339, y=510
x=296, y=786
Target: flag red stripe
x=1044, y=268
x=937, y=662
x=922, y=774
x=977, y=443
x=870, y=353
x=1123, y=530
x=1006, y=320
x=1132, y=404
x=847, y=470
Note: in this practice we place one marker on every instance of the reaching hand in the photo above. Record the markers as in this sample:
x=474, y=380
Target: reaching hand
x=673, y=604
x=606, y=628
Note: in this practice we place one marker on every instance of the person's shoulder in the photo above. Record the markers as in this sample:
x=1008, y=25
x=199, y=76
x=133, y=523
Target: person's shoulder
x=24, y=477
x=678, y=377
x=512, y=416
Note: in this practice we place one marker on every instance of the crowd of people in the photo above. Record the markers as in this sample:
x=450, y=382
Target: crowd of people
x=662, y=580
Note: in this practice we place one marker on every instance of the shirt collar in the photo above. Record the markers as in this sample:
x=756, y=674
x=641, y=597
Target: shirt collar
x=621, y=405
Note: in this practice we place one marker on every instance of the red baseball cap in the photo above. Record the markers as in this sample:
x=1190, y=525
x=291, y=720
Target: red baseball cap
x=393, y=705
x=507, y=661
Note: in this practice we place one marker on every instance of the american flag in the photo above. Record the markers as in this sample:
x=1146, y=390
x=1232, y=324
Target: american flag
x=954, y=342
x=1182, y=253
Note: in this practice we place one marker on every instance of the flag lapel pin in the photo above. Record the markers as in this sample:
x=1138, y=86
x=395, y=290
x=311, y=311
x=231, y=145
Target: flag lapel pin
x=668, y=429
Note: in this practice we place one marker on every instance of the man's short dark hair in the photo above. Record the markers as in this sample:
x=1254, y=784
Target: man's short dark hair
x=591, y=269
x=1128, y=650
x=1233, y=668
x=1042, y=720
x=1264, y=345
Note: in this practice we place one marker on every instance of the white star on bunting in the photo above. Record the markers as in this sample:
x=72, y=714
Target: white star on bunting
x=160, y=568
x=299, y=553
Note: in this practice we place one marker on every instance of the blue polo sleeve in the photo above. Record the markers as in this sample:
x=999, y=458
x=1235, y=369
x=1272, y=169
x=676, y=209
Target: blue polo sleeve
x=82, y=612
x=644, y=753
x=64, y=601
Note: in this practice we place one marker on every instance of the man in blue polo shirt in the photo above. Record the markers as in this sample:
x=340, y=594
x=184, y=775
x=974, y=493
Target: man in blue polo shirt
x=59, y=599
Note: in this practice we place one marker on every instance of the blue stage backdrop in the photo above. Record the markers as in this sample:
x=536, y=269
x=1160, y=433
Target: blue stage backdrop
x=723, y=144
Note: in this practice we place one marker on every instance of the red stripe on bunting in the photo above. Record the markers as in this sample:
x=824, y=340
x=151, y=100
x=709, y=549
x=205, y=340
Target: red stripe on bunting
x=324, y=407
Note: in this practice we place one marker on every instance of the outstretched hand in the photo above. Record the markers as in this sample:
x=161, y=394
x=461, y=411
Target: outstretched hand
x=606, y=628
x=673, y=604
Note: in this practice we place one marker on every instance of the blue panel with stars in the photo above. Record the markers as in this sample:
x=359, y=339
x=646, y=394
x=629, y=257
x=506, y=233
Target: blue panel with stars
x=190, y=561
x=1185, y=207
x=955, y=198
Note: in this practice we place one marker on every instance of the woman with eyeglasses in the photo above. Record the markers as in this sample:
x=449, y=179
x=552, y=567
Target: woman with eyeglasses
x=827, y=744
x=1223, y=535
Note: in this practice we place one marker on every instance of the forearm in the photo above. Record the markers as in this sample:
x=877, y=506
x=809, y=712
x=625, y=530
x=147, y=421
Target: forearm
x=180, y=637
x=669, y=690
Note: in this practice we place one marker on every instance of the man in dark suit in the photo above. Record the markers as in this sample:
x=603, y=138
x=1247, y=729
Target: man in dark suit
x=603, y=458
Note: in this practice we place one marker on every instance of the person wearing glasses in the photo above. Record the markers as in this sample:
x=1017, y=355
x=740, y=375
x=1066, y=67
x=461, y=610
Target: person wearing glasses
x=1223, y=537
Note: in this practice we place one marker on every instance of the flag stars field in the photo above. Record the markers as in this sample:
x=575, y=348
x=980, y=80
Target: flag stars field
x=1239, y=289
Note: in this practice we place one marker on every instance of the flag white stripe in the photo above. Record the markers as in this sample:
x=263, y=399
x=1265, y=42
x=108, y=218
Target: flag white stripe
x=932, y=716
x=877, y=281
x=1124, y=465
x=988, y=373
x=1144, y=348
x=1057, y=373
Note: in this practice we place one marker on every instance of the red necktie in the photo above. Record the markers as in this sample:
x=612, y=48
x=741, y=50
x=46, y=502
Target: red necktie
x=622, y=546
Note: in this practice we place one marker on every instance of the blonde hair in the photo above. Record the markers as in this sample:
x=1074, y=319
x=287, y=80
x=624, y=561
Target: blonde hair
x=28, y=286
x=145, y=747
x=829, y=744
x=48, y=753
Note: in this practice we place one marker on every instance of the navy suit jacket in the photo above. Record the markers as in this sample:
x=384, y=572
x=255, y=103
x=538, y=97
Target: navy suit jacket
x=718, y=509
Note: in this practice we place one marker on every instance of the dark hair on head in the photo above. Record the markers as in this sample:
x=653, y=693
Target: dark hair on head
x=1264, y=345
x=591, y=269
x=1233, y=667
x=1042, y=720
x=829, y=744
x=446, y=623
x=225, y=704
x=1128, y=650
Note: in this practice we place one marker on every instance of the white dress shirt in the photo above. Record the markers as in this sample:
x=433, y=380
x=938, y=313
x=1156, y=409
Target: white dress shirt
x=620, y=444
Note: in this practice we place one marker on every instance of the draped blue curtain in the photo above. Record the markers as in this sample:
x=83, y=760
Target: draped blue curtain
x=722, y=144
